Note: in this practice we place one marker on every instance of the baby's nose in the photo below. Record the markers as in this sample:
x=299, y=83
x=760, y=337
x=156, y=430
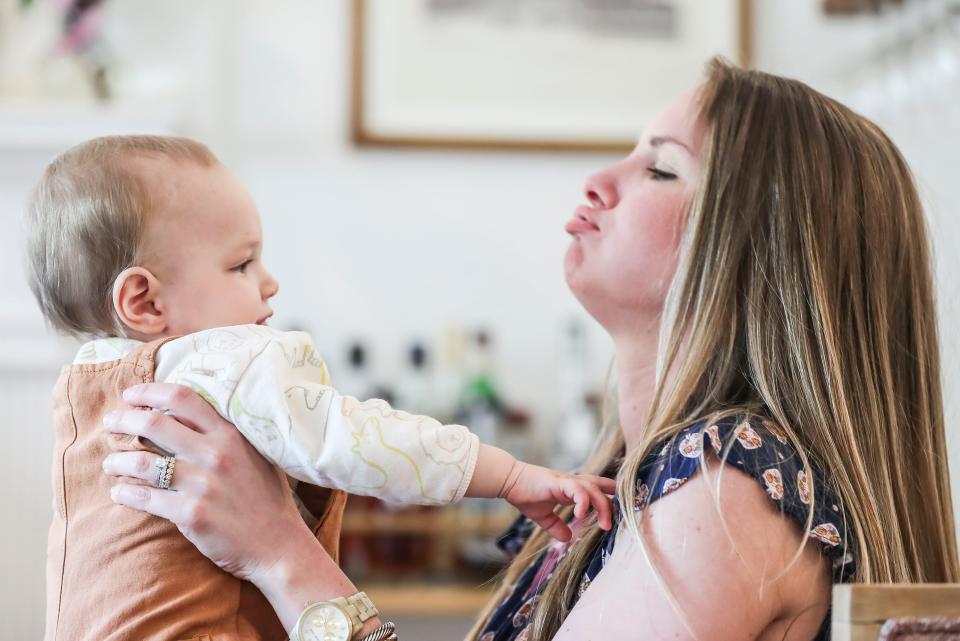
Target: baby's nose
x=270, y=287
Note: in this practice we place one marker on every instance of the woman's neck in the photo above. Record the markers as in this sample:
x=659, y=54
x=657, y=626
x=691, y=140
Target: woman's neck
x=636, y=363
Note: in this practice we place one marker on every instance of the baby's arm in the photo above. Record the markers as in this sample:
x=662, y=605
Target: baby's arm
x=275, y=388
x=536, y=491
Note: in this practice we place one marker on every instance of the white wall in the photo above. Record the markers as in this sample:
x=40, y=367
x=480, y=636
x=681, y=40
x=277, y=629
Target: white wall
x=383, y=244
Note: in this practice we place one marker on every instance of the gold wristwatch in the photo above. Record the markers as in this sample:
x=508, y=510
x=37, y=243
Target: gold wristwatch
x=335, y=620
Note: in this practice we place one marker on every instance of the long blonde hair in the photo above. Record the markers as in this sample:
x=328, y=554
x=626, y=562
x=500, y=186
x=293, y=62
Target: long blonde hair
x=804, y=294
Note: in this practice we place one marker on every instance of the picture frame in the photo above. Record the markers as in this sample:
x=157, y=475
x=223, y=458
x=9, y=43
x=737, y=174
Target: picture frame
x=533, y=75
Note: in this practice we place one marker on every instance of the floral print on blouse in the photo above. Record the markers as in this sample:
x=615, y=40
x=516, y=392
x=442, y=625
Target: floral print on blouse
x=754, y=446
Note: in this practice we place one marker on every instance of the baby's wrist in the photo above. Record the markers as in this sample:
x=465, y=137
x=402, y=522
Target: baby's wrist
x=492, y=471
x=511, y=481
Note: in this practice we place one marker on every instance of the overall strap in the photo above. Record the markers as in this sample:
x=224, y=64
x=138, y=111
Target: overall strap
x=144, y=357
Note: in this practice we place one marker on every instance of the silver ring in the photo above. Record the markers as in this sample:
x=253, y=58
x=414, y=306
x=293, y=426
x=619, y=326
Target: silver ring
x=165, y=465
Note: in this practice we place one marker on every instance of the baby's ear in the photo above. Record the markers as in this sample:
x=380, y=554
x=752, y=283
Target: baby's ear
x=135, y=293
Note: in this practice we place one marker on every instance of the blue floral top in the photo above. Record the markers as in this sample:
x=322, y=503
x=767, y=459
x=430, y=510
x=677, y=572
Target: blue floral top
x=754, y=446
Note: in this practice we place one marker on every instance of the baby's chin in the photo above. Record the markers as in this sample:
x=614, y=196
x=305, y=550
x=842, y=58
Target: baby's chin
x=223, y=322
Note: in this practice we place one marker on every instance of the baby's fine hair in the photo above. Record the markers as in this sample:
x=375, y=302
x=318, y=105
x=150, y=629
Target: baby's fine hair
x=85, y=224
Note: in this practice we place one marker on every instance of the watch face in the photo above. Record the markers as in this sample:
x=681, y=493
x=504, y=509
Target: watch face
x=325, y=622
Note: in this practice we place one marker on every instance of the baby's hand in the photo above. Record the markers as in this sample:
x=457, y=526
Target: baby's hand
x=536, y=491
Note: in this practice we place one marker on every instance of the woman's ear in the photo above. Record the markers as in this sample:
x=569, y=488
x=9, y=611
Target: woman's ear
x=135, y=300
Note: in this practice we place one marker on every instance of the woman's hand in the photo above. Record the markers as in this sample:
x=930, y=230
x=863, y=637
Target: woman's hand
x=225, y=498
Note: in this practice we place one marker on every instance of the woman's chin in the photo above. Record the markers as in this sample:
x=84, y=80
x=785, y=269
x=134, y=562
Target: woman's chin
x=575, y=273
x=572, y=260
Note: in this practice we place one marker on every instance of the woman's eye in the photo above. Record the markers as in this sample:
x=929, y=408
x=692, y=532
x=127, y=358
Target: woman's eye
x=242, y=267
x=659, y=174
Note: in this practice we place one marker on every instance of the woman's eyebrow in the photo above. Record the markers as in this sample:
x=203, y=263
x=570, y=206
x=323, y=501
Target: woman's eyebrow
x=657, y=141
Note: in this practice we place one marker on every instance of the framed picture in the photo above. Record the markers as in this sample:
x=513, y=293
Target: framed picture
x=530, y=74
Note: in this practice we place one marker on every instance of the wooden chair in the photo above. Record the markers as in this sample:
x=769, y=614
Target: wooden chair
x=919, y=612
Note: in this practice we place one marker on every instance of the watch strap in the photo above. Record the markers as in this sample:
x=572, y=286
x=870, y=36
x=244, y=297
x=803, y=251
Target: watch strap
x=364, y=607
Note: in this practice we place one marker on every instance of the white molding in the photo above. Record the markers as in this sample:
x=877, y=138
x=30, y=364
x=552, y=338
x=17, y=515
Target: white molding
x=52, y=127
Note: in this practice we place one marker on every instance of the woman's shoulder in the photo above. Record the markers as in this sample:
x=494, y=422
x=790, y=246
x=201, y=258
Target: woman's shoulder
x=716, y=535
x=788, y=474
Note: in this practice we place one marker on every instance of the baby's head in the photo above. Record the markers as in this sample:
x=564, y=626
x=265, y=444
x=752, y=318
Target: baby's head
x=145, y=236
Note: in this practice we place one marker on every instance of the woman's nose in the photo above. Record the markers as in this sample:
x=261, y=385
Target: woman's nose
x=600, y=190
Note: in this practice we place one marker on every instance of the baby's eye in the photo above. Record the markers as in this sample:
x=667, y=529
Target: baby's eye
x=659, y=174
x=242, y=267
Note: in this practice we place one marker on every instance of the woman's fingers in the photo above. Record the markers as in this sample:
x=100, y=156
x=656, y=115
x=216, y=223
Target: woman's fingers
x=162, y=503
x=179, y=400
x=161, y=429
x=143, y=465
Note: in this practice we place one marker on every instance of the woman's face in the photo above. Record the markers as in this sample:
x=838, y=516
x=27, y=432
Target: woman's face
x=623, y=253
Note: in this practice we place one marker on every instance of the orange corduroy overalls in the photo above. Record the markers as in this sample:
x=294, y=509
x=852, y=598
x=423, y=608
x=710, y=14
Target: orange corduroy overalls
x=116, y=573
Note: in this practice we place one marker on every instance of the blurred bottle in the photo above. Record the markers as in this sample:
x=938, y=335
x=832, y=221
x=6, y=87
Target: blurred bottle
x=578, y=426
x=483, y=407
x=514, y=434
x=480, y=406
x=450, y=373
x=415, y=392
x=408, y=553
x=354, y=380
x=357, y=379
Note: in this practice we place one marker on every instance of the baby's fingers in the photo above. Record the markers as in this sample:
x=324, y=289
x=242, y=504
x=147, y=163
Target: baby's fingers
x=581, y=500
x=583, y=495
x=607, y=486
x=601, y=504
x=554, y=526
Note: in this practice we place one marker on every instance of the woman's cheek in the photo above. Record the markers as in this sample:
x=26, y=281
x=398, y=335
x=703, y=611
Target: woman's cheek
x=648, y=249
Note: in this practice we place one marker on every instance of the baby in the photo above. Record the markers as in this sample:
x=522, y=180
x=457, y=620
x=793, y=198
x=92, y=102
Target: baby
x=153, y=248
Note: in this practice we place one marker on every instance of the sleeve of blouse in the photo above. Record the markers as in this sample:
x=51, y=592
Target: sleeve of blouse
x=759, y=449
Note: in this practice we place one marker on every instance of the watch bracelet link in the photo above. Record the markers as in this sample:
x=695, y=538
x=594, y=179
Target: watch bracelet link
x=363, y=606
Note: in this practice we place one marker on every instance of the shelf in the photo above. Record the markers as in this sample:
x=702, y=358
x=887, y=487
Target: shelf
x=448, y=522
x=429, y=599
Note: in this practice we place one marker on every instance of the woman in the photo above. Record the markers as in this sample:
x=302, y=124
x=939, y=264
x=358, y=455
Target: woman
x=760, y=261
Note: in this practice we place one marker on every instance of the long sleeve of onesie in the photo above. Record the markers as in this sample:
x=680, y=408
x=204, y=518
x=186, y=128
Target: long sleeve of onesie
x=275, y=388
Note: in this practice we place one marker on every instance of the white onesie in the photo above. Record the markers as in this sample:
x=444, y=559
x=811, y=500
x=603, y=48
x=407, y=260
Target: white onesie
x=276, y=389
